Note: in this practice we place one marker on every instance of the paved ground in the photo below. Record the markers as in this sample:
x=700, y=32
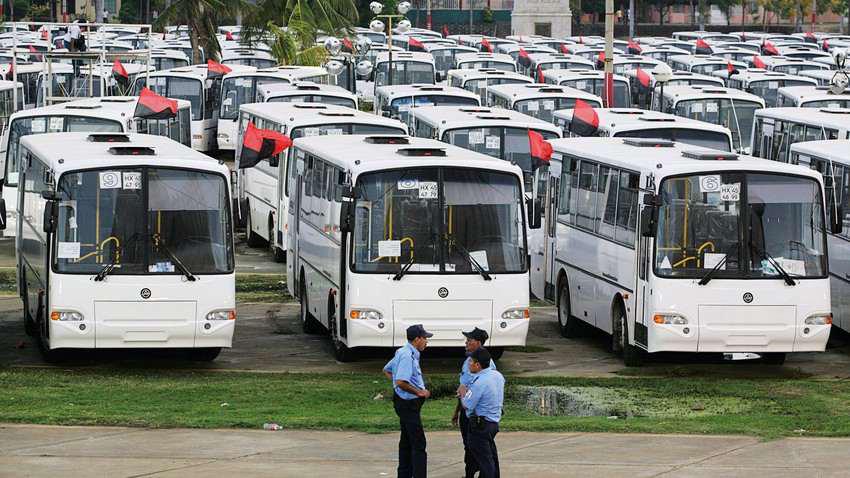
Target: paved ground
x=36, y=451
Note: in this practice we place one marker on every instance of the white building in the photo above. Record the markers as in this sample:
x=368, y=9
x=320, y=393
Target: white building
x=551, y=18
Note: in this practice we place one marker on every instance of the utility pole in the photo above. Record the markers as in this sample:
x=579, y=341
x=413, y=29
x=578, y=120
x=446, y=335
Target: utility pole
x=701, y=14
x=609, y=53
x=428, y=15
x=631, y=19
x=98, y=11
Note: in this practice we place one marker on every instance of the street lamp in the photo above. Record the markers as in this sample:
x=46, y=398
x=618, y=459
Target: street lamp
x=403, y=26
x=662, y=74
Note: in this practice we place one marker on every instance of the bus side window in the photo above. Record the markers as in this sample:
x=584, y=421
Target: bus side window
x=627, y=208
x=308, y=177
x=586, y=213
x=567, y=173
x=606, y=203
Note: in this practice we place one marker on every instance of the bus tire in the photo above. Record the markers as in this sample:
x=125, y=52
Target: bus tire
x=341, y=351
x=774, y=358
x=278, y=254
x=204, y=354
x=632, y=356
x=496, y=352
x=52, y=356
x=30, y=327
x=309, y=324
x=567, y=324
x=253, y=239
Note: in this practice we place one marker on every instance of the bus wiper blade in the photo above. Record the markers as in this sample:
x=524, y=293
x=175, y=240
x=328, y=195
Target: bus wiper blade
x=782, y=272
x=107, y=269
x=185, y=270
x=404, y=269
x=475, y=264
x=708, y=275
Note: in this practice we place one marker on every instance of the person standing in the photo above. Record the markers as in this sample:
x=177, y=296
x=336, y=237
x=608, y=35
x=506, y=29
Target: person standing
x=475, y=339
x=483, y=400
x=408, y=397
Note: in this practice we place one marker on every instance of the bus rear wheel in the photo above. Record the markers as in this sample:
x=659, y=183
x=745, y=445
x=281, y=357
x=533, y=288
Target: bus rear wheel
x=567, y=324
x=309, y=324
x=278, y=254
x=254, y=239
x=206, y=354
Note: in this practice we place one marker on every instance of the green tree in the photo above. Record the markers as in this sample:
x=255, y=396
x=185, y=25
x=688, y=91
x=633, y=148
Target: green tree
x=202, y=18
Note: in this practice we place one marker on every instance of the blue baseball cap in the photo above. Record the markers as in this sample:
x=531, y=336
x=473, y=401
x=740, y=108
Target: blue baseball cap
x=417, y=330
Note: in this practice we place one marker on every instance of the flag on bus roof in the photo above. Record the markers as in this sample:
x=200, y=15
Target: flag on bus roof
x=564, y=49
x=540, y=149
x=731, y=68
x=10, y=75
x=825, y=45
x=120, y=73
x=347, y=45
x=634, y=48
x=600, y=60
x=259, y=144
x=768, y=48
x=228, y=36
x=541, y=78
x=415, y=43
x=45, y=34
x=811, y=38
x=445, y=31
x=154, y=106
x=486, y=44
x=585, y=120
x=523, y=58
x=703, y=48
x=643, y=78
x=216, y=69
x=758, y=62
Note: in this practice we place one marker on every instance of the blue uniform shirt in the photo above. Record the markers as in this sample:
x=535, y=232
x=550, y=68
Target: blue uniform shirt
x=486, y=395
x=466, y=376
x=405, y=366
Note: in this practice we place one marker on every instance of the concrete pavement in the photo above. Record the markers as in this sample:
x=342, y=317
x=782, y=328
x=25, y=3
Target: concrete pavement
x=36, y=451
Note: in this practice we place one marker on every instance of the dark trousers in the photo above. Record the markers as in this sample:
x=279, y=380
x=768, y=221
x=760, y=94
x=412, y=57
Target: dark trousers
x=470, y=465
x=482, y=444
x=412, y=457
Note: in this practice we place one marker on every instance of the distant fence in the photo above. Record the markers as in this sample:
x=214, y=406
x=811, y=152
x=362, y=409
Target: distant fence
x=464, y=4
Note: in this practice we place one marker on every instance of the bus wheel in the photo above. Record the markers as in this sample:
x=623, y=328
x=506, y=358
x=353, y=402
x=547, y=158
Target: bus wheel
x=632, y=356
x=49, y=355
x=254, y=239
x=775, y=358
x=309, y=324
x=278, y=254
x=341, y=351
x=568, y=325
x=206, y=354
x=30, y=327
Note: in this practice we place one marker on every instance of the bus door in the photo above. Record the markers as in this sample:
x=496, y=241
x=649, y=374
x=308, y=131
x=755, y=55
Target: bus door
x=549, y=238
x=282, y=214
x=642, y=291
x=295, y=195
x=766, y=139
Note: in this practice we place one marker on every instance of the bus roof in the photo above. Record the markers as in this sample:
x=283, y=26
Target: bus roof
x=575, y=74
x=480, y=73
x=693, y=60
x=64, y=152
x=400, y=91
x=664, y=158
x=837, y=150
x=483, y=56
x=280, y=72
x=758, y=74
x=118, y=108
x=808, y=93
x=695, y=92
x=405, y=56
x=453, y=117
x=528, y=91
x=305, y=87
x=295, y=115
x=631, y=119
x=362, y=153
x=838, y=118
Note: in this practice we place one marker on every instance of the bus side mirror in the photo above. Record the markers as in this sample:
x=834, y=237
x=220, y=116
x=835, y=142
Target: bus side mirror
x=2, y=214
x=837, y=221
x=344, y=195
x=535, y=213
x=440, y=77
x=51, y=213
x=649, y=215
x=274, y=160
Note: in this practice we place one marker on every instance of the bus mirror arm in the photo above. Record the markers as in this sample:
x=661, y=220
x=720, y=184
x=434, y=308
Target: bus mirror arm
x=2, y=214
x=274, y=161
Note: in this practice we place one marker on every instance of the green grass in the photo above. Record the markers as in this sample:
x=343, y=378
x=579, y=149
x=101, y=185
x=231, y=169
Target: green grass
x=8, y=281
x=261, y=288
x=767, y=408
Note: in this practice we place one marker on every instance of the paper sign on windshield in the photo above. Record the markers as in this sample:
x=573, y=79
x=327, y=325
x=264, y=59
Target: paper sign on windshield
x=389, y=248
x=730, y=192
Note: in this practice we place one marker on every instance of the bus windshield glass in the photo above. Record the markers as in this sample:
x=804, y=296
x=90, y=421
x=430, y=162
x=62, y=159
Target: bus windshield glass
x=175, y=87
x=50, y=124
x=542, y=108
x=830, y=103
x=405, y=73
x=324, y=99
x=144, y=221
x=697, y=137
x=439, y=220
x=349, y=128
x=241, y=90
x=400, y=107
x=752, y=224
x=494, y=65
x=737, y=116
x=769, y=89
x=622, y=95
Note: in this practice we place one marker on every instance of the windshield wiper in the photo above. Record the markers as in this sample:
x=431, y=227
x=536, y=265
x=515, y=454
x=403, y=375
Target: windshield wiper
x=107, y=269
x=782, y=272
x=475, y=264
x=404, y=269
x=709, y=275
x=185, y=270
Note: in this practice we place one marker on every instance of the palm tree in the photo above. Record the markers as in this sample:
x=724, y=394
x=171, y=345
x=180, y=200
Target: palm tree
x=292, y=26
x=201, y=17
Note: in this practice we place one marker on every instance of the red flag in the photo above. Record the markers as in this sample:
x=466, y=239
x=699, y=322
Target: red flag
x=259, y=144
x=154, y=106
x=826, y=45
x=10, y=75
x=540, y=77
x=564, y=49
x=643, y=78
x=769, y=49
x=32, y=49
x=228, y=36
x=118, y=71
x=703, y=48
x=600, y=60
x=486, y=44
x=45, y=34
x=811, y=38
x=731, y=68
x=634, y=48
x=585, y=120
x=524, y=59
x=347, y=44
x=445, y=31
x=759, y=63
x=540, y=149
x=216, y=69
x=415, y=43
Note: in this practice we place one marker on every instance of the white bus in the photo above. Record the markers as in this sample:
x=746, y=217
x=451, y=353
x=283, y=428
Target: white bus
x=408, y=68
x=642, y=95
x=790, y=66
x=397, y=101
x=238, y=88
x=445, y=57
x=637, y=123
x=538, y=100
x=765, y=84
x=478, y=60
x=592, y=81
x=542, y=62
x=703, y=64
x=307, y=92
x=812, y=97
x=264, y=195
x=393, y=231
x=831, y=158
x=127, y=242
x=728, y=107
x=670, y=247
x=776, y=129
x=477, y=81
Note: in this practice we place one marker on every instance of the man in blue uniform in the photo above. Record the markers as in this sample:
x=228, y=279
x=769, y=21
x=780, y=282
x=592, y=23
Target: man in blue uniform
x=474, y=340
x=483, y=400
x=410, y=394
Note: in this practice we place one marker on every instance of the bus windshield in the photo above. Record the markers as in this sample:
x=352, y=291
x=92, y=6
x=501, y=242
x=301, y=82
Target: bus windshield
x=175, y=87
x=145, y=221
x=495, y=65
x=737, y=116
x=314, y=98
x=708, y=68
x=830, y=103
x=769, y=89
x=405, y=73
x=400, y=107
x=747, y=222
x=241, y=90
x=697, y=137
x=443, y=220
x=50, y=124
x=344, y=128
x=622, y=96
x=542, y=108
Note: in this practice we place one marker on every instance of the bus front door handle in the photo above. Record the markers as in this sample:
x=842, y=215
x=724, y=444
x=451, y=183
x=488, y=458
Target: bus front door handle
x=609, y=277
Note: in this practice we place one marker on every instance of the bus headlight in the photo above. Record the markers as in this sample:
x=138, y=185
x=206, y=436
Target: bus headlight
x=516, y=314
x=66, y=315
x=670, y=319
x=367, y=314
x=227, y=314
x=819, y=319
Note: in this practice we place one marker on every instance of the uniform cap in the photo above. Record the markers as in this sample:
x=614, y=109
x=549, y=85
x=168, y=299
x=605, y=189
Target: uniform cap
x=477, y=334
x=482, y=356
x=415, y=331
